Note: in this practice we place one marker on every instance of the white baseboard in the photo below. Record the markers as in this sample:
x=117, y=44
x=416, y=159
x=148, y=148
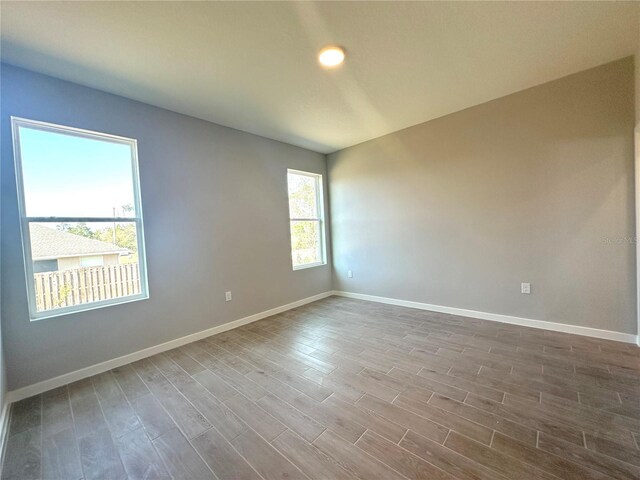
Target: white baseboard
x=45, y=385
x=496, y=317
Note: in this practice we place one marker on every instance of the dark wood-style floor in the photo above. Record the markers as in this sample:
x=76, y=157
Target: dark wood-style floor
x=345, y=389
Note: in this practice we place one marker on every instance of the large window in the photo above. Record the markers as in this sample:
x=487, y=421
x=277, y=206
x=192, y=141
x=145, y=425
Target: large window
x=307, y=222
x=81, y=218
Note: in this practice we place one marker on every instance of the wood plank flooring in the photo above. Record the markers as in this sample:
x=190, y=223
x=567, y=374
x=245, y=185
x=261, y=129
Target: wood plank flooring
x=346, y=389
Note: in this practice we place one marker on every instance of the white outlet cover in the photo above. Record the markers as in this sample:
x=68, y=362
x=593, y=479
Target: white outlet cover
x=525, y=288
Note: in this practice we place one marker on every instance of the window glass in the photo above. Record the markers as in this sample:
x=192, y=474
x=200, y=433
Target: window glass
x=306, y=219
x=71, y=176
x=302, y=196
x=81, y=218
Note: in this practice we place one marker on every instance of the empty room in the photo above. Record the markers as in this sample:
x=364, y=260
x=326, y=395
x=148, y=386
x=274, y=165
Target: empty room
x=319, y=240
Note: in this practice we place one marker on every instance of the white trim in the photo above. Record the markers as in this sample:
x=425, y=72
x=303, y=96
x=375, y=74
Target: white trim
x=496, y=317
x=4, y=430
x=58, y=312
x=45, y=385
x=309, y=265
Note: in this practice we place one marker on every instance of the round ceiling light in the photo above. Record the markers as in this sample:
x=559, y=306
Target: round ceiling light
x=331, y=56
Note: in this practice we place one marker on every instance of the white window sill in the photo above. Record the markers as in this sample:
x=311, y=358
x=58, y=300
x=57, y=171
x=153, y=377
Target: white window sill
x=309, y=265
x=58, y=312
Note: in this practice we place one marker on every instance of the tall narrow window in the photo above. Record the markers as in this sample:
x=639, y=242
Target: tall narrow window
x=81, y=218
x=307, y=222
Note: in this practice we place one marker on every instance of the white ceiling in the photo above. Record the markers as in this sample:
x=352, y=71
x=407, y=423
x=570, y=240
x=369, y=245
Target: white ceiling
x=252, y=66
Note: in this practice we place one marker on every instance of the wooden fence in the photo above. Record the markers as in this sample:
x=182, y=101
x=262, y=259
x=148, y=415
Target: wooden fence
x=65, y=288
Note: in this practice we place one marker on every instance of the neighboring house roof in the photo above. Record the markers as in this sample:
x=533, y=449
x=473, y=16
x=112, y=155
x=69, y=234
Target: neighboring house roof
x=48, y=243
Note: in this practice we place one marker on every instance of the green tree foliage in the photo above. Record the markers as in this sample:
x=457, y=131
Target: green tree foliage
x=81, y=229
x=304, y=242
x=302, y=196
x=63, y=292
x=125, y=236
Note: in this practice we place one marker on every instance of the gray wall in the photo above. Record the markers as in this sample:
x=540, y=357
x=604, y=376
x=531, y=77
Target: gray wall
x=637, y=61
x=216, y=219
x=637, y=170
x=3, y=368
x=534, y=187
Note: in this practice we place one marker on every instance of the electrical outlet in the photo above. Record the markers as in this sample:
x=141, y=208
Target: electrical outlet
x=525, y=288
x=349, y=274
x=227, y=296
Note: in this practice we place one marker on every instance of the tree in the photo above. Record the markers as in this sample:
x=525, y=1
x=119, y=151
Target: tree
x=128, y=208
x=81, y=229
x=125, y=236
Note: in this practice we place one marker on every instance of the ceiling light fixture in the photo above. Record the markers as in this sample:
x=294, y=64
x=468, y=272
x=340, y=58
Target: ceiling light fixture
x=331, y=56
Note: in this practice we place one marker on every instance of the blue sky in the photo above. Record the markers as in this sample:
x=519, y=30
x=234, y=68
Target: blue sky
x=65, y=175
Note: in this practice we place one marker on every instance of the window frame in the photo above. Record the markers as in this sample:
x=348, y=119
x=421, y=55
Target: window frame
x=84, y=257
x=321, y=222
x=34, y=314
